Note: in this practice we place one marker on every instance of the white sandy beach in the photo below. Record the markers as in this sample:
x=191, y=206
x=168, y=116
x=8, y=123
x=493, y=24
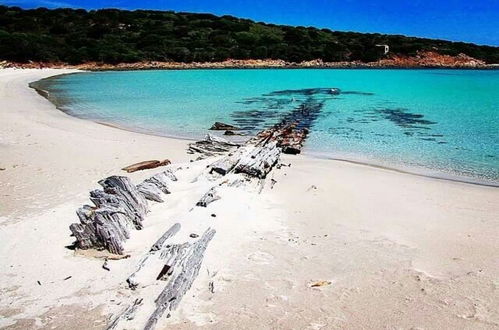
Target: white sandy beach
x=401, y=251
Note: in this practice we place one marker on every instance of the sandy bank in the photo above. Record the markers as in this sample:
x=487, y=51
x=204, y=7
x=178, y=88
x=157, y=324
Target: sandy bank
x=400, y=251
x=49, y=155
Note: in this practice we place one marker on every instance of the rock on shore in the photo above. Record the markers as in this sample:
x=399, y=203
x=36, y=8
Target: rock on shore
x=423, y=59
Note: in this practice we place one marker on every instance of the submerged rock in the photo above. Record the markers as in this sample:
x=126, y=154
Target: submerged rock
x=218, y=126
x=233, y=133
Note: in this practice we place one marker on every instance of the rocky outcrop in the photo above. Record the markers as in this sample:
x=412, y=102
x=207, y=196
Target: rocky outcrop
x=218, y=126
x=429, y=59
x=422, y=59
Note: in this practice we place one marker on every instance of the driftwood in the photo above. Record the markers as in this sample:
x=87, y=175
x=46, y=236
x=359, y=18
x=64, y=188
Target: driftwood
x=125, y=190
x=259, y=161
x=169, y=233
x=212, y=145
x=291, y=133
x=218, y=126
x=287, y=136
x=171, y=255
x=256, y=161
x=151, y=262
x=179, y=266
x=127, y=315
x=167, y=173
x=181, y=279
x=118, y=209
x=227, y=163
x=148, y=164
x=153, y=187
x=208, y=198
x=150, y=191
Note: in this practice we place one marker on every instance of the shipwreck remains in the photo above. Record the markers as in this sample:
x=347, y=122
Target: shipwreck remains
x=118, y=209
x=176, y=264
x=212, y=146
x=168, y=268
x=292, y=131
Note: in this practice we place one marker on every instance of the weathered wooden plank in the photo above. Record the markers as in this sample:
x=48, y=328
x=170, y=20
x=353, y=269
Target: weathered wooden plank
x=123, y=188
x=154, y=187
x=183, y=275
x=128, y=314
x=208, y=198
x=112, y=228
x=118, y=209
x=226, y=164
x=171, y=255
x=172, y=231
x=212, y=145
x=259, y=161
x=150, y=263
x=150, y=191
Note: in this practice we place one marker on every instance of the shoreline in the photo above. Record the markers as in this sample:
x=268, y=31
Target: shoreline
x=401, y=168
x=422, y=60
x=489, y=67
x=397, y=250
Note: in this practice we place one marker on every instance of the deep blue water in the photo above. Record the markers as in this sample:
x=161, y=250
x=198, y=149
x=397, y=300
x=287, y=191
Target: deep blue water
x=436, y=122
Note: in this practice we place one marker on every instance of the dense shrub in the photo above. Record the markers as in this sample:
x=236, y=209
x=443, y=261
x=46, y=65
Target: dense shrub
x=112, y=36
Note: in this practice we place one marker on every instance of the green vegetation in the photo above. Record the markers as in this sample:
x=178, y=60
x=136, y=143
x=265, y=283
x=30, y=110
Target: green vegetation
x=112, y=36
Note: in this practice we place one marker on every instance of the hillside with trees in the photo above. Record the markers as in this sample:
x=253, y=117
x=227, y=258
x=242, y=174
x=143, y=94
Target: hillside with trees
x=119, y=36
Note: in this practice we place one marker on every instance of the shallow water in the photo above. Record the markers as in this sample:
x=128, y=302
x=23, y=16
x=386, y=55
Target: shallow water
x=442, y=123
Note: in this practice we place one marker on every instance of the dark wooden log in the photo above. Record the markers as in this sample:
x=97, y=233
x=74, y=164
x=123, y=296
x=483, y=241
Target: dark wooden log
x=183, y=275
x=148, y=164
x=208, y=198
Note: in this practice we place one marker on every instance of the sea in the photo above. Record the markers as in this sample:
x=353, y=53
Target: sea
x=433, y=122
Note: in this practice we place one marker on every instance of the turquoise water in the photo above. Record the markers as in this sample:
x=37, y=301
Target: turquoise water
x=436, y=122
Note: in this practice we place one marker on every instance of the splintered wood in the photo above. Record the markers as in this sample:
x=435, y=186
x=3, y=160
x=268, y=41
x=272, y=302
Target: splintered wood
x=168, y=269
x=290, y=134
x=176, y=264
x=118, y=209
x=185, y=270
